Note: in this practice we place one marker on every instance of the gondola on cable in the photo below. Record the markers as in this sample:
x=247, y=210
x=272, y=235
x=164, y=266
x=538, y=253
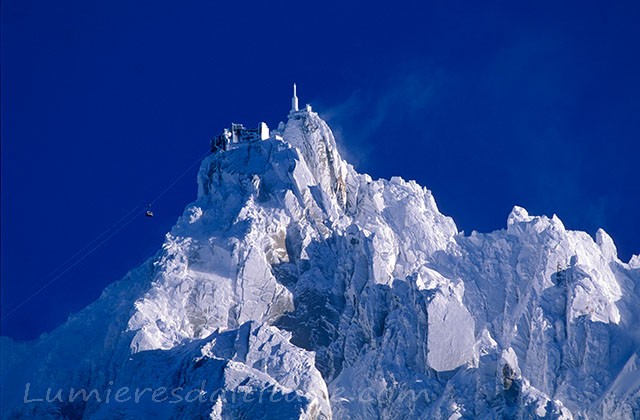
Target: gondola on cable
x=149, y=212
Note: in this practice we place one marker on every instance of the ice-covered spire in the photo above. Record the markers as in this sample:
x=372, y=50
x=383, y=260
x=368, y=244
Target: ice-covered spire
x=294, y=100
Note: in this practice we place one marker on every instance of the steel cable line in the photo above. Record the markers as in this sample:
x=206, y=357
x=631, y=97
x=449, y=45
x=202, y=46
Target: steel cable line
x=47, y=284
x=129, y=217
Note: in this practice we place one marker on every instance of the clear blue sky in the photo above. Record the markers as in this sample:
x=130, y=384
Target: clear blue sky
x=105, y=103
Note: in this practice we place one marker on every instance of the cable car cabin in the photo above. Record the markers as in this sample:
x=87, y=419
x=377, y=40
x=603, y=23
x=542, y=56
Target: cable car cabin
x=149, y=213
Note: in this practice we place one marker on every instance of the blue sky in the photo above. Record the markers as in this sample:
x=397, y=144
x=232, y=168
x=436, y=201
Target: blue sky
x=489, y=105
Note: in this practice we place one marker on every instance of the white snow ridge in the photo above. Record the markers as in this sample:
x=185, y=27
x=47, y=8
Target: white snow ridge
x=294, y=287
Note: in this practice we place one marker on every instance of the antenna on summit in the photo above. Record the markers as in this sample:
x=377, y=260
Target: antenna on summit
x=294, y=100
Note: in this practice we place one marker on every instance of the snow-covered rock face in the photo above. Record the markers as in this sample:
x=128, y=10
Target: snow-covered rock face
x=294, y=287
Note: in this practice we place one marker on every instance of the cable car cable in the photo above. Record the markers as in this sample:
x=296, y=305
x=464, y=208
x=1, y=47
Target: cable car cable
x=131, y=214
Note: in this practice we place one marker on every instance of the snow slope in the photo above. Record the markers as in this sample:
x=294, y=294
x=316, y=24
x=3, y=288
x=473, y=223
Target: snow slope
x=294, y=287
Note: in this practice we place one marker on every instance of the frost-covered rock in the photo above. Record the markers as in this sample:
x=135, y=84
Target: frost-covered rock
x=294, y=287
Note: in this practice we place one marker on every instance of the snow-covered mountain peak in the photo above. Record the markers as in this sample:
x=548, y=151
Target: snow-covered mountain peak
x=274, y=203
x=310, y=135
x=634, y=262
x=605, y=242
x=520, y=222
x=517, y=215
x=294, y=277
